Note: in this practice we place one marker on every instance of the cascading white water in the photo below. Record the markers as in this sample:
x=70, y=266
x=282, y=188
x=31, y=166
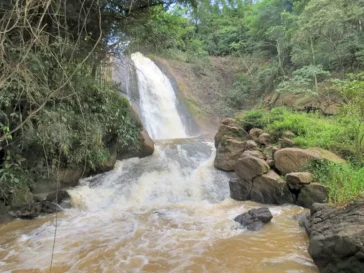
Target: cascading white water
x=158, y=102
x=168, y=213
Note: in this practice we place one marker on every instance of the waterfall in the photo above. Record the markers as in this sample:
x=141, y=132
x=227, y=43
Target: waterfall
x=158, y=102
x=167, y=213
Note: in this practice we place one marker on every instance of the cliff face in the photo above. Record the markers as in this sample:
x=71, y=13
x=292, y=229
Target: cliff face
x=203, y=88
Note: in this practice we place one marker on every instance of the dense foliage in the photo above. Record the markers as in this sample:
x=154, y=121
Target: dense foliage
x=284, y=45
x=58, y=108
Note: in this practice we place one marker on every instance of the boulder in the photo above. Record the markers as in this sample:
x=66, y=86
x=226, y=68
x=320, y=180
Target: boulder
x=269, y=151
x=254, y=219
x=287, y=143
x=30, y=211
x=256, y=154
x=270, y=162
x=228, y=152
x=336, y=241
x=251, y=145
x=289, y=160
x=147, y=146
x=249, y=167
x=255, y=133
x=270, y=188
x=67, y=178
x=239, y=189
x=274, y=150
x=312, y=193
x=50, y=207
x=327, y=155
x=229, y=128
x=298, y=180
x=57, y=196
x=264, y=139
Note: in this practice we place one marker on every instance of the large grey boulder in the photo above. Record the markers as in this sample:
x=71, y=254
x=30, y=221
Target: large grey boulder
x=337, y=238
x=254, y=219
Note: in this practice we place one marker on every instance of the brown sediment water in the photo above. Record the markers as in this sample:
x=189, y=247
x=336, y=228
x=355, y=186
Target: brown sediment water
x=166, y=213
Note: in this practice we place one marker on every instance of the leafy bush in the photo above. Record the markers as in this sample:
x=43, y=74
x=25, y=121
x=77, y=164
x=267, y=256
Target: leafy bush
x=305, y=80
x=50, y=120
x=242, y=87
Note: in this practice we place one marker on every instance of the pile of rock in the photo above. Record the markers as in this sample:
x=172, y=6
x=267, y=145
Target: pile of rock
x=267, y=173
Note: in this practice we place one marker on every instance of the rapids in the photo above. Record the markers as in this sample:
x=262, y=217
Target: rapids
x=169, y=212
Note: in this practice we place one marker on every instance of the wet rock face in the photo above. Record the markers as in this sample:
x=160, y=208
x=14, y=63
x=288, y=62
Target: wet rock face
x=254, y=219
x=337, y=238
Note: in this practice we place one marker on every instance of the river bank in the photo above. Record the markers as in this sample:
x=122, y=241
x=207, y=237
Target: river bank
x=271, y=167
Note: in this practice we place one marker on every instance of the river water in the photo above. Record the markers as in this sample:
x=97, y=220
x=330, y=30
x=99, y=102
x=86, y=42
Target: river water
x=169, y=212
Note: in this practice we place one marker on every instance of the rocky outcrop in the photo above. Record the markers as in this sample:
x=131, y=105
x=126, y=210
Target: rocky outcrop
x=289, y=160
x=231, y=141
x=337, y=237
x=254, y=219
x=229, y=128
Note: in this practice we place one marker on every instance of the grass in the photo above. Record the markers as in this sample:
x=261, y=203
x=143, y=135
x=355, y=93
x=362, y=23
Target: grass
x=345, y=182
x=312, y=130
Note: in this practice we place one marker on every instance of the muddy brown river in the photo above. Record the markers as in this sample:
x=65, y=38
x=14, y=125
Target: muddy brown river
x=168, y=213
